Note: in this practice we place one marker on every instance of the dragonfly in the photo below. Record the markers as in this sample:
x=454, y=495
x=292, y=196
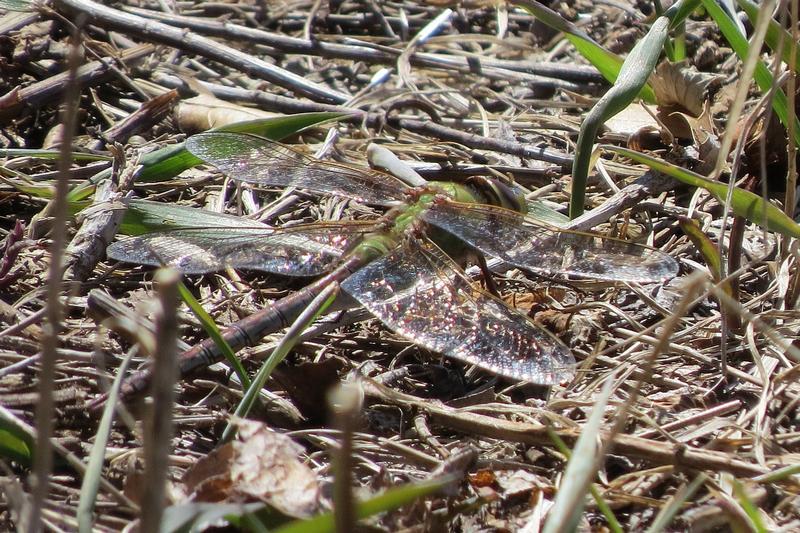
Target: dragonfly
x=400, y=267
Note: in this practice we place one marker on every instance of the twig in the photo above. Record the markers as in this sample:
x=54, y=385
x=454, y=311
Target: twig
x=42, y=92
x=149, y=113
x=43, y=460
x=161, y=33
x=345, y=403
x=471, y=423
x=445, y=133
x=683, y=423
x=559, y=75
x=158, y=435
x=98, y=227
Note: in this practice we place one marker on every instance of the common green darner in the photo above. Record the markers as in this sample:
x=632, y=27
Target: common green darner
x=398, y=267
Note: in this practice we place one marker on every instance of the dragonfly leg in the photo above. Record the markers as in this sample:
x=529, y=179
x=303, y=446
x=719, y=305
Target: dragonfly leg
x=488, y=280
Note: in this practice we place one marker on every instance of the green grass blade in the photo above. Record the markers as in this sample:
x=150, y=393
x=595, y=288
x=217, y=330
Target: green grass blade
x=605, y=508
x=608, y=63
x=743, y=203
x=637, y=68
x=774, y=32
x=750, y=508
x=317, y=306
x=762, y=74
x=94, y=468
x=780, y=474
x=704, y=245
x=144, y=216
x=213, y=331
x=24, y=184
x=680, y=11
x=581, y=470
x=679, y=43
x=170, y=161
x=15, y=443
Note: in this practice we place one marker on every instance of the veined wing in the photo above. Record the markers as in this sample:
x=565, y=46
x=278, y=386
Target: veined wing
x=257, y=160
x=510, y=236
x=418, y=292
x=304, y=250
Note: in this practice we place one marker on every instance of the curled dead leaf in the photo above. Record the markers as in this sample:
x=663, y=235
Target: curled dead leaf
x=205, y=112
x=260, y=465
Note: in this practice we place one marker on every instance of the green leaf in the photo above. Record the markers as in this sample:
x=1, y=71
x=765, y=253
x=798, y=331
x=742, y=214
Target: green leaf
x=775, y=33
x=608, y=63
x=744, y=203
x=213, y=331
x=170, y=161
x=633, y=75
x=704, y=245
x=15, y=443
x=165, y=163
x=762, y=74
x=680, y=11
x=540, y=211
x=145, y=216
x=15, y=449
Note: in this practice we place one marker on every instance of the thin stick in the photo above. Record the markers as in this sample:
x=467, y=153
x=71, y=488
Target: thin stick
x=159, y=431
x=43, y=459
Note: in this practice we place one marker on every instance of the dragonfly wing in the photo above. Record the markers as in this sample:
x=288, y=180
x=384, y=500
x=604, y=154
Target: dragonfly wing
x=257, y=160
x=510, y=236
x=418, y=292
x=299, y=251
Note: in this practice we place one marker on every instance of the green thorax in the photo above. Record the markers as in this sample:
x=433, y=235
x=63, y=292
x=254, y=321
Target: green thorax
x=403, y=217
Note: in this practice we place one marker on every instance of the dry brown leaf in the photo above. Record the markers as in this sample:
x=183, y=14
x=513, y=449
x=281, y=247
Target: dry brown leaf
x=683, y=103
x=680, y=87
x=204, y=112
x=260, y=465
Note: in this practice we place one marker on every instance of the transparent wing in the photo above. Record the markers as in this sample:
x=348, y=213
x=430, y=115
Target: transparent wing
x=257, y=160
x=512, y=237
x=418, y=292
x=298, y=251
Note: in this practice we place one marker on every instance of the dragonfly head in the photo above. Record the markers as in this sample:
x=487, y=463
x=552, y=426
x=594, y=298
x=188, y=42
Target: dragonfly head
x=496, y=192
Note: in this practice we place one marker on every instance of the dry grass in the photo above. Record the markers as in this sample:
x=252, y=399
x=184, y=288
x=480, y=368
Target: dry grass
x=468, y=98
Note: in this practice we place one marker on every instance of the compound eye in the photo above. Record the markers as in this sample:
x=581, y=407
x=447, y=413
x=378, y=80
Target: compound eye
x=497, y=193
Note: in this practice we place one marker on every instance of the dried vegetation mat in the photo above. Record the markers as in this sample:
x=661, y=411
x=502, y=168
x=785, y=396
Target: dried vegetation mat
x=679, y=413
